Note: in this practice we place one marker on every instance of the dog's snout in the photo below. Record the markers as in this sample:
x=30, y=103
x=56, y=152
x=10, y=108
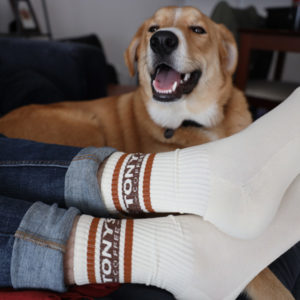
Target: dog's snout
x=164, y=42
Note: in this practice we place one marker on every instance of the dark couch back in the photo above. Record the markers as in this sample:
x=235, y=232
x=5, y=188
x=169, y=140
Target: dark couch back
x=34, y=71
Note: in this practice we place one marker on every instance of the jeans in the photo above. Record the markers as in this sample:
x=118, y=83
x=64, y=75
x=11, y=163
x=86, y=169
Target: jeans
x=33, y=175
x=42, y=188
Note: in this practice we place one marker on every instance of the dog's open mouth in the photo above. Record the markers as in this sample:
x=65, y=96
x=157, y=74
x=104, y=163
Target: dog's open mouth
x=169, y=85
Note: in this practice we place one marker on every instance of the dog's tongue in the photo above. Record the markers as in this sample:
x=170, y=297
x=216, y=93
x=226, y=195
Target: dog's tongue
x=165, y=78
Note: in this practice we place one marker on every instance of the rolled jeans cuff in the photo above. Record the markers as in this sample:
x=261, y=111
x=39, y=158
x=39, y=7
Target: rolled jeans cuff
x=81, y=183
x=39, y=247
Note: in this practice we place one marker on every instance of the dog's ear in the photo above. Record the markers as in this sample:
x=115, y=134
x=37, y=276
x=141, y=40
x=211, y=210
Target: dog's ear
x=130, y=54
x=227, y=50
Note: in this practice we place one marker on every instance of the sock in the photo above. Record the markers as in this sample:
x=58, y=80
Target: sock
x=126, y=251
x=252, y=170
x=102, y=250
x=236, y=183
x=182, y=254
x=151, y=183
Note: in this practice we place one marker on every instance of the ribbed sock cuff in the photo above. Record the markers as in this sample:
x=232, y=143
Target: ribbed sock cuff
x=107, y=182
x=125, y=183
x=194, y=181
x=80, y=249
x=102, y=250
x=180, y=181
x=161, y=255
x=171, y=182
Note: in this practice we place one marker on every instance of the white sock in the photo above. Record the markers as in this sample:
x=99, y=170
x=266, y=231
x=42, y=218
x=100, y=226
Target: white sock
x=156, y=183
x=251, y=170
x=183, y=254
x=102, y=250
x=236, y=183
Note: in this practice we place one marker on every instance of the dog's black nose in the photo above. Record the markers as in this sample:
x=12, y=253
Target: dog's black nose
x=164, y=42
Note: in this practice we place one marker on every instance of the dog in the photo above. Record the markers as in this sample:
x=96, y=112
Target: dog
x=185, y=97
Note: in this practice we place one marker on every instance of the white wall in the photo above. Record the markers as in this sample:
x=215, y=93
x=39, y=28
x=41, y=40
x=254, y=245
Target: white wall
x=6, y=15
x=292, y=63
x=115, y=22
x=207, y=6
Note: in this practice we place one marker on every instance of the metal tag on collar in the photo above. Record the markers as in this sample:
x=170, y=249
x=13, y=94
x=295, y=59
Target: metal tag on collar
x=169, y=133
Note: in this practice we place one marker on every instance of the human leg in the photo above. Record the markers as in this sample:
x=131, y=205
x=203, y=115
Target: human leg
x=32, y=243
x=287, y=269
x=34, y=171
x=236, y=183
x=182, y=254
x=10, y=219
x=52, y=173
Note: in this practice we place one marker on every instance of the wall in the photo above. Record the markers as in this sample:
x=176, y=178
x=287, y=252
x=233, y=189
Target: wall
x=6, y=15
x=207, y=6
x=115, y=22
x=292, y=63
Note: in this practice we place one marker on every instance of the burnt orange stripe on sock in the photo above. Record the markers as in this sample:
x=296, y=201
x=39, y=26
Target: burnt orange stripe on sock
x=91, y=251
x=128, y=251
x=146, y=183
x=115, y=180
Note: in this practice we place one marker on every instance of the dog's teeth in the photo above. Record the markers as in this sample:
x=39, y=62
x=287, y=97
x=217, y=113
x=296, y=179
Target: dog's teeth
x=174, y=86
x=187, y=77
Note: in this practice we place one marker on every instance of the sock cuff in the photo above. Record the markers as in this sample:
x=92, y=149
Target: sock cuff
x=177, y=181
x=160, y=253
x=109, y=182
x=181, y=181
x=194, y=179
x=80, y=250
x=125, y=183
x=103, y=250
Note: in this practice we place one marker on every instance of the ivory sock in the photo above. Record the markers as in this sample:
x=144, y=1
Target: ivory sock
x=151, y=183
x=235, y=183
x=183, y=254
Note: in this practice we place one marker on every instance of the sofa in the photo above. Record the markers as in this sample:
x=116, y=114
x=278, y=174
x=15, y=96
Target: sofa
x=33, y=71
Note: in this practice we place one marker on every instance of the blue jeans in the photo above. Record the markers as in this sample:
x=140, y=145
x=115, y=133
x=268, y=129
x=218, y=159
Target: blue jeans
x=31, y=175
x=40, y=186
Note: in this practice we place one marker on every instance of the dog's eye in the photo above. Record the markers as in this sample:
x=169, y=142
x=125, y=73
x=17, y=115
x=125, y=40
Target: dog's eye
x=198, y=29
x=153, y=28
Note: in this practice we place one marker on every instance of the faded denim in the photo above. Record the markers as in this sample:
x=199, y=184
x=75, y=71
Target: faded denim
x=39, y=246
x=32, y=234
x=81, y=184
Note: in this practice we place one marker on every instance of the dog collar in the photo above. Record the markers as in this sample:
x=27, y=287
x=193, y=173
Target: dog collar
x=186, y=123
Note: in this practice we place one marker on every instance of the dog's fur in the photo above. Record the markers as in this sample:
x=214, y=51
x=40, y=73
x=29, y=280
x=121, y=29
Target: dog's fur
x=137, y=121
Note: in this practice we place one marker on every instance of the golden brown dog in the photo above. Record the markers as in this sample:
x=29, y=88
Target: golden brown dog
x=186, y=97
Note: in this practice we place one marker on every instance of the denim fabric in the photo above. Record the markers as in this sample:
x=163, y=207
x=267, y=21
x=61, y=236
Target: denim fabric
x=40, y=240
x=287, y=269
x=34, y=171
x=81, y=184
x=11, y=214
